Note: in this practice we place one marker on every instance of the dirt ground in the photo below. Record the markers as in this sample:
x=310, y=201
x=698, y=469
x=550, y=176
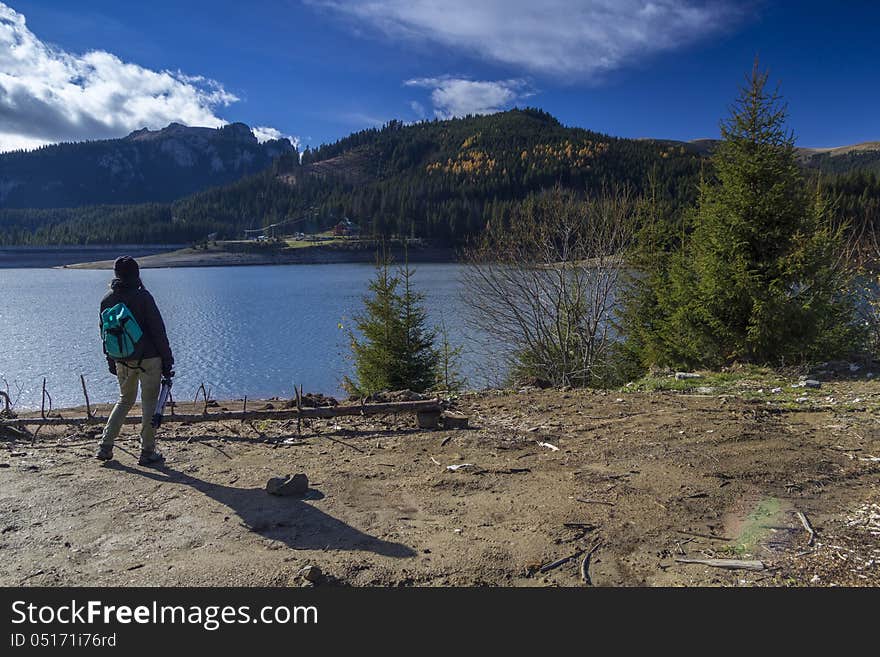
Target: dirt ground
x=647, y=477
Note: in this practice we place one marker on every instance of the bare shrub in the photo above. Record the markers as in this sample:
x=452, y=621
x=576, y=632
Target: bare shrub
x=545, y=284
x=863, y=256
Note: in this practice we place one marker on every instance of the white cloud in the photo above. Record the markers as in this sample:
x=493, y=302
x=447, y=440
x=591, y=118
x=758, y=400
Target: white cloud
x=566, y=38
x=452, y=96
x=49, y=95
x=10, y=142
x=265, y=133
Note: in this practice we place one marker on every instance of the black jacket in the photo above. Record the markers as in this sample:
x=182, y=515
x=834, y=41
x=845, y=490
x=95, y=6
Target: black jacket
x=145, y=311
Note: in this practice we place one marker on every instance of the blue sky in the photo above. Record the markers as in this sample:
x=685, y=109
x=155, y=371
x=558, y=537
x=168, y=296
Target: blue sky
x=317, y=70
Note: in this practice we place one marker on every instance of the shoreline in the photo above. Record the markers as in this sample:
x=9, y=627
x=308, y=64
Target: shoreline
x=190, y=257
x=41, y=257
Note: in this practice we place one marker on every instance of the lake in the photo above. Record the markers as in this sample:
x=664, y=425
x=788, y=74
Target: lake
x=254, y=331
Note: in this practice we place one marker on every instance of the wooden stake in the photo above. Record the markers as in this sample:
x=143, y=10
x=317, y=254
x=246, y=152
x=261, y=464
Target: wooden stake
x=297, y=391
x=86, y=395
x=205, y=394
x=43, y=401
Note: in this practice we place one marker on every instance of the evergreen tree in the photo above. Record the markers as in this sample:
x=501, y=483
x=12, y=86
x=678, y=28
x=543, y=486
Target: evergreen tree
x=418, y=358
x=379, y=329
x=660, y=234
x=756, y=280
x=395, y=350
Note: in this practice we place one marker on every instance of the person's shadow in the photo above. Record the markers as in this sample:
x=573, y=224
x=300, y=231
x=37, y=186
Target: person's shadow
x=288, y=519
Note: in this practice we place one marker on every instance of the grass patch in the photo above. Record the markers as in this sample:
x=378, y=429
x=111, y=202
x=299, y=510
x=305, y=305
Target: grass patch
x=757, y=384
x=756, y=526
x=306, y=244
x=741, y=380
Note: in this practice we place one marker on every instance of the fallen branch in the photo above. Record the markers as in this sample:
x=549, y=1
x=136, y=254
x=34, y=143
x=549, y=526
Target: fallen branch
x=307, y=412
x=559, y=562
x=585, y=565
x=205, y=442
x=806, y=523
x=588, y=501
x=709, y=536
x=729, y=564
x=14, y=433
x=92, y=506
x=342, y=442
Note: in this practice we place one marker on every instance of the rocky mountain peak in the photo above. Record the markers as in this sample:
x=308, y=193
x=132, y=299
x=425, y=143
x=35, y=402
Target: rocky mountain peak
x=145, y=166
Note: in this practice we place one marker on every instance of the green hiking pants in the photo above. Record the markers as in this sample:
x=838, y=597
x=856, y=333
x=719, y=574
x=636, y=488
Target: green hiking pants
x=150, y=379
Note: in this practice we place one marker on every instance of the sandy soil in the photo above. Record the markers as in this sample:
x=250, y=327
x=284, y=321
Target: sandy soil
x=649, y=477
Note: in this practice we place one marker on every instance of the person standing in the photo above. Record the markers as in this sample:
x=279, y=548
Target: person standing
x=137, y=350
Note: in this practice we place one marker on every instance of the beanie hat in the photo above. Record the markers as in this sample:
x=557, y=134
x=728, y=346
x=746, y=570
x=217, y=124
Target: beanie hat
x=126, y=268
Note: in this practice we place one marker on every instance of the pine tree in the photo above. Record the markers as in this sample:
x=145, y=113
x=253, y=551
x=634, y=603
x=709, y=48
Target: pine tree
x=379, y=329
x=395, y=349
x=418, y=358
x=659, y=235
x=756, y=280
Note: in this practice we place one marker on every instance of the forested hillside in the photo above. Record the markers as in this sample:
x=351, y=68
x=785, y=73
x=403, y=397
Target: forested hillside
x=441, y=180
x=845, y=160
x=855, y=198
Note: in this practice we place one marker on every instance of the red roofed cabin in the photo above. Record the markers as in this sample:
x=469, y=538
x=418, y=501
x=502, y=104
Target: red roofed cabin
x=346, y=228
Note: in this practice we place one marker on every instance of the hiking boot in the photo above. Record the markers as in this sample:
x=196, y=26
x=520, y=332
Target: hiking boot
x=105, y=453
x=152, y=459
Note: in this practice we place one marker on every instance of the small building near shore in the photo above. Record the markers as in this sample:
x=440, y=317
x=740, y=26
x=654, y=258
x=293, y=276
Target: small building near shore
x=346, y=228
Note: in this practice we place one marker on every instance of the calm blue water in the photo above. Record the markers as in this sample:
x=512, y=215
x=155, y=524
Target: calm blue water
x=254, y=331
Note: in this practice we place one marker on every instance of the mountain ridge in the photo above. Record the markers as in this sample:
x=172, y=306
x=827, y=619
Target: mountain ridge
x=144, y=166
x=706, y=144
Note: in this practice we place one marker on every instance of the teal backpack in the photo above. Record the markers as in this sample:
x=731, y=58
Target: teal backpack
x=120, y=332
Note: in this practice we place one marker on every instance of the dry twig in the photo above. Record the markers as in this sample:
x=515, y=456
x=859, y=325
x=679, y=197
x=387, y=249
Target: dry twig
x=729, y=564
x=585, y=564
x=806, y=523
